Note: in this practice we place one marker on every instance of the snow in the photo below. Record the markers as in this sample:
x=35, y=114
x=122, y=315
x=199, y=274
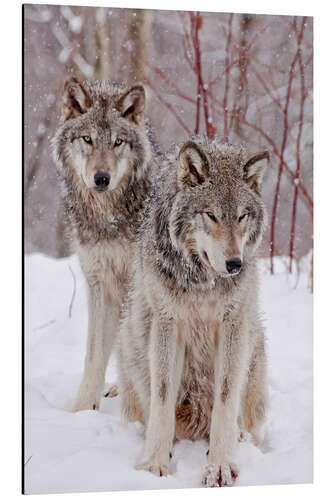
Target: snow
x=97, y=451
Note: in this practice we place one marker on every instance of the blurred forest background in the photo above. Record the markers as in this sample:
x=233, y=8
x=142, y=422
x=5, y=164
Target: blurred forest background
x=245, y=78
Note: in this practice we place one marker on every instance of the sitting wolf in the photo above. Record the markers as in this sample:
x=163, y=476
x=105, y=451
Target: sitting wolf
x=191, y=354
x=104, y=154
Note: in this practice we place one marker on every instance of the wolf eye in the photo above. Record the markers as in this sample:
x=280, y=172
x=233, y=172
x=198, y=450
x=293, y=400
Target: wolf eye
x=242, y=217
x=87, y=139
x=118, y=142
x=211, y=216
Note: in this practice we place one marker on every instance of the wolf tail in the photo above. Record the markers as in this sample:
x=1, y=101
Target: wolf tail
x=193, y=419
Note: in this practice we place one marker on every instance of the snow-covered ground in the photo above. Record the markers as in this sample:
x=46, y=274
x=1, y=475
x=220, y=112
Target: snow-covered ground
x=97, y=451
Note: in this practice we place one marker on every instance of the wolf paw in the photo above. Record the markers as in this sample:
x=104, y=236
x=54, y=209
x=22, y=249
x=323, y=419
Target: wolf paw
x=157, y=468
x=85, y=403
x=112, y=392
x=242, y=437
x=216, y=476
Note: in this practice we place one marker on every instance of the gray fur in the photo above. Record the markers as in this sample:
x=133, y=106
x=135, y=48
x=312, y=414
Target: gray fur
x=103, y=225
x=191, y=354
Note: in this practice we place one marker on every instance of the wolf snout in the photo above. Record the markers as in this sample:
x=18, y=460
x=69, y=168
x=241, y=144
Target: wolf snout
x=102, y=180
x=233, y=266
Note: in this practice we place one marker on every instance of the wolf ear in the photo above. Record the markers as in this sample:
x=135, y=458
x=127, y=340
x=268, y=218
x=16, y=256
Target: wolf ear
x=132, y=103
x=76, y=100
x=192, y=165
x=254, y=170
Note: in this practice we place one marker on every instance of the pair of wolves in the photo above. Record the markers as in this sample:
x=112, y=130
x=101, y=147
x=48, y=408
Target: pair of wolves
x=174, y=238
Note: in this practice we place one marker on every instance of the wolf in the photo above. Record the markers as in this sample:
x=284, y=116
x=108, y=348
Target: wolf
x=104, y=152
x=191, y=354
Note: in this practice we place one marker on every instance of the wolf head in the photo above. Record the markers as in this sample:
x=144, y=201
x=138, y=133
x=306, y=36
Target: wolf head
x=217, y=219
x=102, y=140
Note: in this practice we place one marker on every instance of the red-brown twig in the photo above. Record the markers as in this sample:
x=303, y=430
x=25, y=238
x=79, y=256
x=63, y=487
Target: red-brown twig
x=227, y=80
x=196, y=24
x=298, y=147
x=259, y=114
x=163, y=101
x=266, y=88
x=186, y=41
x=274, y=150
x=175, y=90
x=167, y=105
x=283, y=145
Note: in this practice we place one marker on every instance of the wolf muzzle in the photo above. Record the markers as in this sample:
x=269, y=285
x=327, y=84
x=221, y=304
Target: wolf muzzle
x=233, y=266
x=102, y=180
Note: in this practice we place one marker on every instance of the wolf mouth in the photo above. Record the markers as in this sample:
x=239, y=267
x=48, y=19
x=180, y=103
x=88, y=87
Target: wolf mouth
x=100, y=189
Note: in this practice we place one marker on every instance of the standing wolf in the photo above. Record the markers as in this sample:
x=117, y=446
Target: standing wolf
x=191, y=352
x=104, y=157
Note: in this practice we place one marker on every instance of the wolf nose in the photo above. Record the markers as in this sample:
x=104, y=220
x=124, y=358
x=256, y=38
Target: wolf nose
x=102, y=179
x=233, y=265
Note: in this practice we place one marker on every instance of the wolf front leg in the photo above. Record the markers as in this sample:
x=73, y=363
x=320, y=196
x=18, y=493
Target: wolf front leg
x=101, y=331
x=166, y=363
x=255, y=395
x=230, y=371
